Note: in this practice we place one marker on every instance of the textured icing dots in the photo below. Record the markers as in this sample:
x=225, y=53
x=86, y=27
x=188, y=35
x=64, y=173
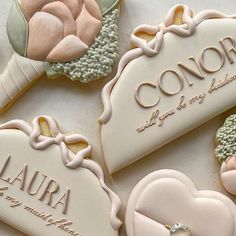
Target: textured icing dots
x=100, y=57
x=226, y=139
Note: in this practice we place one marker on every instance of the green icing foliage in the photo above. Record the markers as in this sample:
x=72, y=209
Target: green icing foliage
x=107, y=5
x=17, y=29
x=98, y=60
x=226, y=138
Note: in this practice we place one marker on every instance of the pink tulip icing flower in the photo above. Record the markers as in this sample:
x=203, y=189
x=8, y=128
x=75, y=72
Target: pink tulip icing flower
x=75, y=38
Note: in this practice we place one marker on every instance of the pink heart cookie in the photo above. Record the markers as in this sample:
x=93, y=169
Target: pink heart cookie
x=167, y=197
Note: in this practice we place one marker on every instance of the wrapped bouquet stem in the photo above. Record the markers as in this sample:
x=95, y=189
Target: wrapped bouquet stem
x=19, y=74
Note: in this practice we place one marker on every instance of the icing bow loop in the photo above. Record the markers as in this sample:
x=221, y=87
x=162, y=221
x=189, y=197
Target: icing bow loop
x=40, y=141
x=152, y=48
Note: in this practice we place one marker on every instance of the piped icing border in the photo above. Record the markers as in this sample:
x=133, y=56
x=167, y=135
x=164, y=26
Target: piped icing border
x=151, y=48
x=71, y=160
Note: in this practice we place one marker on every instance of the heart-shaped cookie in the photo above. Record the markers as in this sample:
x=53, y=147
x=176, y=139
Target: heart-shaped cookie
x=46, y=189
x=167, y=197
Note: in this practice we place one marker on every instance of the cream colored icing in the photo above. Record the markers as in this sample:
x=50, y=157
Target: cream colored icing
x=228, y=174
x=19, y=73
x=167, y=197
x=49, y=19
x=173, y=44
x=152, y=48
x=83, y=177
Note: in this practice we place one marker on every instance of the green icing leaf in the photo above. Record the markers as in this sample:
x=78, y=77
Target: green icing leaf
x=17, y=29
x=107, y=5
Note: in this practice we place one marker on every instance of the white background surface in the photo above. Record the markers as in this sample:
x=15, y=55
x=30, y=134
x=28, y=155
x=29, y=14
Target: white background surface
x=77, y=107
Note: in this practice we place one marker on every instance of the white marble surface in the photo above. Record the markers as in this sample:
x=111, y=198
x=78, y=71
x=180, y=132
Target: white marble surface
x=77, y=107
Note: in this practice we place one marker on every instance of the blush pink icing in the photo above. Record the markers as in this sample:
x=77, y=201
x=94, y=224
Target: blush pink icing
x=53, y=25
x=228, y=174
x=165, y=197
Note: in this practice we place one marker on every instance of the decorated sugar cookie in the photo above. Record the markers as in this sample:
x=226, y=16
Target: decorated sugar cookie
x=166, y=203
x=75, y=38
x=43, y=182
x=226, y=153
x=165, y=87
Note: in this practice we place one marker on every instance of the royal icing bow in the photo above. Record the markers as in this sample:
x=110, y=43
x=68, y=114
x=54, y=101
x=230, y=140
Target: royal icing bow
x=185, y=29
x=39, y=142
x=151, y=48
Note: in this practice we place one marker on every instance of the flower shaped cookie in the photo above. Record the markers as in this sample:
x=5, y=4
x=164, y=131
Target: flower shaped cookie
x=62, y=30
x=75, y=38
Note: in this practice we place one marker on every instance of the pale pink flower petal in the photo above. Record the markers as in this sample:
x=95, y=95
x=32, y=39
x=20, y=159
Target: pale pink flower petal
x=75, y=6
x=43, y=37
x=93, y=8
x=30, y=7
x=62, y=12
x=70, y=48
x=88, y=26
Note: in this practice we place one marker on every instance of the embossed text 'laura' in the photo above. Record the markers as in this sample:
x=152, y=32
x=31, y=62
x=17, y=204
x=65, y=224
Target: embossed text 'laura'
x=36, y=184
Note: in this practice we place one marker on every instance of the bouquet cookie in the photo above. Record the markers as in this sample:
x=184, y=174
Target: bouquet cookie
x=75, y=38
